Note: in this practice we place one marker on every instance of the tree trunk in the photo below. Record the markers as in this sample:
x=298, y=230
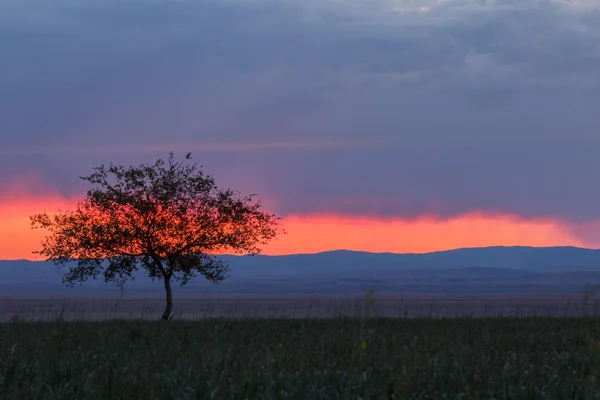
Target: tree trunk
x=169, y=307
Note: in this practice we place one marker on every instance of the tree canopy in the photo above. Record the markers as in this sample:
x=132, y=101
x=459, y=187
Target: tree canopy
x=169, y=218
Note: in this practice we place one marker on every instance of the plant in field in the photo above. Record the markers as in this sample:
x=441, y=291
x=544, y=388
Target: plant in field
x=369, y=302
x=169, y=218
x=588, y=292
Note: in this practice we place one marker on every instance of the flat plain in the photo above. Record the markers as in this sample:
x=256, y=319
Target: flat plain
x=538, y=346
x=316, y=358
x=150, y=306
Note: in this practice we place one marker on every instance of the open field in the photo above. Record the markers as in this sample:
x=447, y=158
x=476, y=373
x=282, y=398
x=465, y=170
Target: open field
x=343, y=358
x=299, y=306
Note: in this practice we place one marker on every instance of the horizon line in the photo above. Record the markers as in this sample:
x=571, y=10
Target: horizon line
x=368, y=252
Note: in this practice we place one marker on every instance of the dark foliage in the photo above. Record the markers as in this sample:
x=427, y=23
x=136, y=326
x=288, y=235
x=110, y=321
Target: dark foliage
x=496, y=358
x=169, y=218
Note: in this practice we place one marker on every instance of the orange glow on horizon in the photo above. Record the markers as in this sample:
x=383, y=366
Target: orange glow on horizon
x=315, y=233
x=17, y=239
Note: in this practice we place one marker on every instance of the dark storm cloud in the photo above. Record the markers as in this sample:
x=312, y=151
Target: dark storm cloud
x=411, y=106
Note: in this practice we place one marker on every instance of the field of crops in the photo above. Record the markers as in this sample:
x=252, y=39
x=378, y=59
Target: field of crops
x=368, y=358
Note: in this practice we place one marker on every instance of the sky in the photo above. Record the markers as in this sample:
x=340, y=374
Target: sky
x=377, y=125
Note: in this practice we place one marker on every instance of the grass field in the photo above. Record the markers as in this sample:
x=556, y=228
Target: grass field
x=338, y=358
x=411, y=305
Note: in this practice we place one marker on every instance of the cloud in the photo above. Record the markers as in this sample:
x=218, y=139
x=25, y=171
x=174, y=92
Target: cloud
x=311, y=233
x=184, y=147
x=378, y=107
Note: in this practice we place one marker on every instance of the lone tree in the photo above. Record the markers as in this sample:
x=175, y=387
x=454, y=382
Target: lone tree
x=170, y=218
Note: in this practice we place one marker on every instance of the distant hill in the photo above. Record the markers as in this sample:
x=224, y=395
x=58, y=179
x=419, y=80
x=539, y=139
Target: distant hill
x=471, y=270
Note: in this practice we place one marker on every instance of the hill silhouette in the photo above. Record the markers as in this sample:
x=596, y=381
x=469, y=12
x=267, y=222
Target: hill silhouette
x=496, y=269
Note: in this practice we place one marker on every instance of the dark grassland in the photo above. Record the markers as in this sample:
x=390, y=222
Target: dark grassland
x=338, y=358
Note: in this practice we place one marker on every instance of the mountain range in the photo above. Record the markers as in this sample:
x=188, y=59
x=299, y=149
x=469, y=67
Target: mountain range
x=469, y=270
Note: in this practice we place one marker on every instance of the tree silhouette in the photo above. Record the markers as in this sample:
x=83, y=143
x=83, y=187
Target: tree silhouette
x=169, y=218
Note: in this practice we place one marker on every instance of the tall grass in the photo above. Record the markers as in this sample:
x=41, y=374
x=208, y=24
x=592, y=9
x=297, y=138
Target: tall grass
x=366, y=357
x=454, y=358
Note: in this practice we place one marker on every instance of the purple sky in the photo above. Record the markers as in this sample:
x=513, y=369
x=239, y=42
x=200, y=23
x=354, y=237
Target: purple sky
x=379, y=107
